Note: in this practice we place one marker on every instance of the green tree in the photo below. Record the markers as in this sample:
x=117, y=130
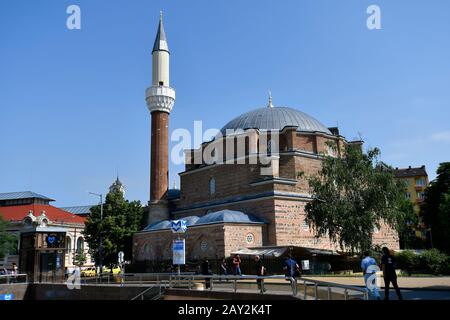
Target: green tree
x=352, y=195
x=8, y=241
x=435, y=209
x=79, y=259
x=121, y=219
x=407, y=222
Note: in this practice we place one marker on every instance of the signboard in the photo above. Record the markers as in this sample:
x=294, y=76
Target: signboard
x=8, y=296
x=120, y=256
x=178, y=226
x=178, y=248
x=305, y=264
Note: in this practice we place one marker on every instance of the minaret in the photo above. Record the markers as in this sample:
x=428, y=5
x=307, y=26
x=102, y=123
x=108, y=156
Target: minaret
x=160, y=98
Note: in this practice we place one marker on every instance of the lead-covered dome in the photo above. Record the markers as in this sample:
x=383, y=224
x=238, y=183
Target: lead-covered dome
x=275, y=118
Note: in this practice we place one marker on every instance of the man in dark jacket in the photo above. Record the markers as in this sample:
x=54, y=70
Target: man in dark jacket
x=260, y=271
x=206, y=270
x=389, y=275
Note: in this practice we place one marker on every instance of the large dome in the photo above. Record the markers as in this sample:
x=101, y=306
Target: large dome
x=275, y=118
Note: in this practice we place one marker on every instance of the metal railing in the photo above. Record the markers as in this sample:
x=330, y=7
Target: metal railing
x=191, y=282
x=330, y=288
x=13, y=278
x=141, y=295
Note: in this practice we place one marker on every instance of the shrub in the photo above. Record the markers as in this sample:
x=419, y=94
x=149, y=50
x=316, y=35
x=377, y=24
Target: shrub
x=434, y=261
x=407, y=261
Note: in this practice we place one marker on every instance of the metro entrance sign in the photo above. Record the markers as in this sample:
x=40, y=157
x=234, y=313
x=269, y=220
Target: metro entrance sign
x=178, y=226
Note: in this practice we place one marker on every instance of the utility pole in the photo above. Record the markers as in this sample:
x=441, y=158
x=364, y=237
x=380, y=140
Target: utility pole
x=100, y=247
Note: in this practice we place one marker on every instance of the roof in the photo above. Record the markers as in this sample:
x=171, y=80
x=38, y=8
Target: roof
x=173, y=194
x=160, y=40
x=222, y=216
x=80, y=210
x=275, y=118
x=17, y=213
x=22, y=195
x=410, y=172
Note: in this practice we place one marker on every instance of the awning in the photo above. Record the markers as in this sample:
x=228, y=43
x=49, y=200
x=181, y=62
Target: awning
x=267, y=252
x=279, y=251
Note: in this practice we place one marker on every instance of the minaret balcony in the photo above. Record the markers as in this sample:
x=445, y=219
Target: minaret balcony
x=160, y=98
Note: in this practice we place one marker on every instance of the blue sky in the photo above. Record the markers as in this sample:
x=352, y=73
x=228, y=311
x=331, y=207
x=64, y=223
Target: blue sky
x=72, y=107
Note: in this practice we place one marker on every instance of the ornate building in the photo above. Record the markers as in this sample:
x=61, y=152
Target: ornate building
x=238, y=203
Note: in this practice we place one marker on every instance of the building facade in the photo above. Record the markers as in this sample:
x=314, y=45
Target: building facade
x=416, y=181
x=31, y=216
x=251, y=197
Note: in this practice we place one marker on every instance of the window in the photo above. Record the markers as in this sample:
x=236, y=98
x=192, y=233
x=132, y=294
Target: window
x=212, y=186
x=250, y=238
x=305, y=225
x=68, y=244
x=420, y=182
x=161, y=83
x=407, y=195
x=203, y=246
x=80, y=244
x=420, y=195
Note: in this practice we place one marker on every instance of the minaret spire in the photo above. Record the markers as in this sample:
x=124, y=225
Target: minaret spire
x=160, y=40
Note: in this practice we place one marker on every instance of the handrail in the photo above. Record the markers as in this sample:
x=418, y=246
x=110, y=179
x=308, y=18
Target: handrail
x=8, y=278
x=141, y=295
x=235, y=279
x=330, y=285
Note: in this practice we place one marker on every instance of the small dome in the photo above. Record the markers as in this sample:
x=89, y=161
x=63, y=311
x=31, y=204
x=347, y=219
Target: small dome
x=275, y=118
x=227, y=216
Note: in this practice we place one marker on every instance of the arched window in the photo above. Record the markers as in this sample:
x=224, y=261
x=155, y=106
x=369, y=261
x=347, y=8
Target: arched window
x=68, y=244
x=212, y=186
x=80, y=244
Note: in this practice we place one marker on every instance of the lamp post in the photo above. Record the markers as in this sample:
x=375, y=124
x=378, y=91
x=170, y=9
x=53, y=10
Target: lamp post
x=100, y=247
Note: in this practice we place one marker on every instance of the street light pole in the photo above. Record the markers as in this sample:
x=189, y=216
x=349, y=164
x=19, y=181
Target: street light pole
x=100, y=247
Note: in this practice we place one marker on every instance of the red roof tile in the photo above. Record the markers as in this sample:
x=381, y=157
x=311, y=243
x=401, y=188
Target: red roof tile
x=17, y=213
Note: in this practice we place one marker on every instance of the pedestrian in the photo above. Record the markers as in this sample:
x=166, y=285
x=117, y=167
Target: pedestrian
x=369, y=267
x=260, y=271
x=389, y=274
x=223, y=267
x=291, y=267
x=15, y=269
x=237, y=265
x=206, y=270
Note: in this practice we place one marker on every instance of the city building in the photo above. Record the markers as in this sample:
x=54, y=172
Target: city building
x=239, y=205
x=48, y=237
x=416, y=181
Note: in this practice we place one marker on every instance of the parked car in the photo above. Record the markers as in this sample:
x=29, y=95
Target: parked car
x=115, y=270
x=89, y=272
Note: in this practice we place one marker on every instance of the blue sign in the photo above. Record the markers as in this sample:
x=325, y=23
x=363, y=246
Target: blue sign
x=178, y=226
x=8, y=296
x=178, y=248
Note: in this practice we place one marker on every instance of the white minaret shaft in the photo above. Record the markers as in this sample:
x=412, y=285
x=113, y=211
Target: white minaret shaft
x=160, y=96
x=160, y=59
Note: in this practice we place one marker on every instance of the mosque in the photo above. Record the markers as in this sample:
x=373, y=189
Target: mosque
x=238, y=206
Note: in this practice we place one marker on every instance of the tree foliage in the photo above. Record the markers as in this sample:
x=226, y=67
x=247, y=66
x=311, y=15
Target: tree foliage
x=8, y=241
x=435, y=209
x=121, y=219
x=352, y=195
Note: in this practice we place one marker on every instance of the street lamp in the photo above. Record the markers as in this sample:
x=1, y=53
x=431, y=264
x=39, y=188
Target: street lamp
x=100, y=247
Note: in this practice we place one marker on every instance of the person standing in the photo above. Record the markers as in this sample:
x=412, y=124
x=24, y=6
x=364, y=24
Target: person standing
x=237, y=265
x=223, y=267
x=369, y=267
x=291, y=267
x=206, y=270
x=260, y=271
x=389, y=274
